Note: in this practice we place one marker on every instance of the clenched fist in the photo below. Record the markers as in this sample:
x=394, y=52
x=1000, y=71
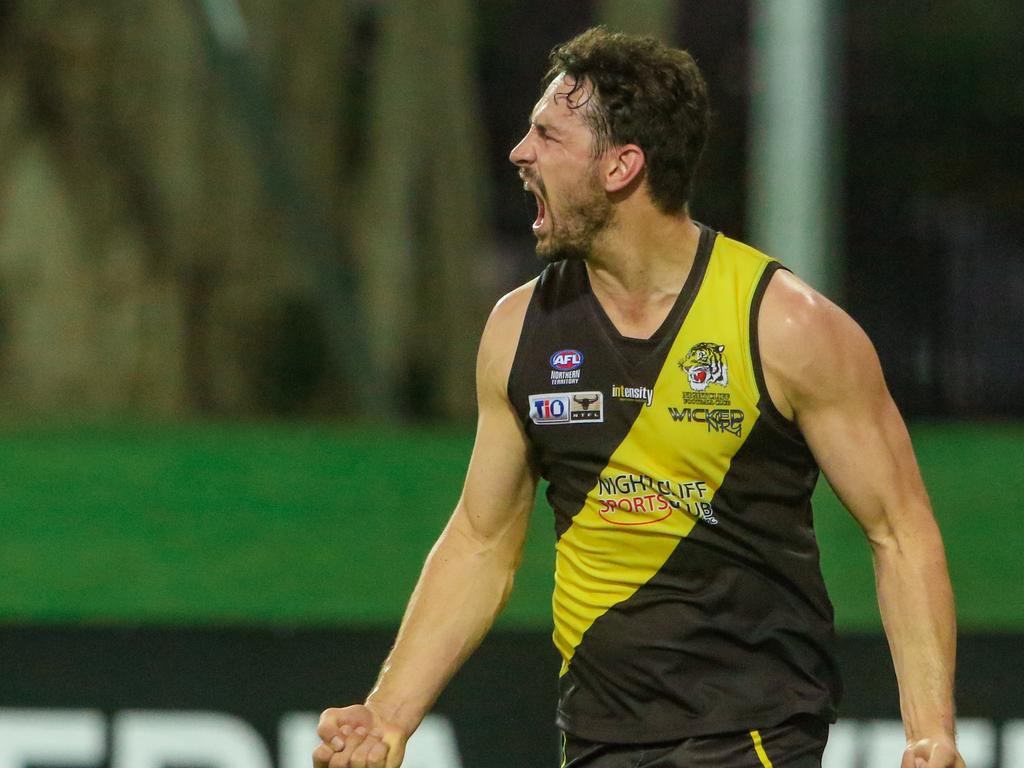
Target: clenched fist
x=932, y=753
x=358, y=737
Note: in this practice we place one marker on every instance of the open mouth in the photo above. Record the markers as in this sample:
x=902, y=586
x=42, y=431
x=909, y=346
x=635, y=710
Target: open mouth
x=529, y=190
x=541, y=212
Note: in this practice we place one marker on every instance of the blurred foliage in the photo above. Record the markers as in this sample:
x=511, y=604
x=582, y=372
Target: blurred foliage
x=315, y=221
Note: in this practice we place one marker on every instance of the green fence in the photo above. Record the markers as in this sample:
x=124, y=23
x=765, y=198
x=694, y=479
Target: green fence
x=322, y=525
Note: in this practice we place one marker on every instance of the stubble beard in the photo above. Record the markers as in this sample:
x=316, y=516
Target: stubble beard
x=586, y=214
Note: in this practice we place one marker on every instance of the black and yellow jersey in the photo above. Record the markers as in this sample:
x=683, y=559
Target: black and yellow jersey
x=688, y=594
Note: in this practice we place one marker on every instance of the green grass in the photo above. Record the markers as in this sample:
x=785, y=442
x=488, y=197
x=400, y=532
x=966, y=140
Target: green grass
x=316, y=524
x=248, y=523
x=975, y=477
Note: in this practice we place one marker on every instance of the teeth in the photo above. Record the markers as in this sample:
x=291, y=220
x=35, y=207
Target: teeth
x=526, y=186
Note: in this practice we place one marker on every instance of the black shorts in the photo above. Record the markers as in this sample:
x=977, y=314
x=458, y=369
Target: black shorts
x=796, y=743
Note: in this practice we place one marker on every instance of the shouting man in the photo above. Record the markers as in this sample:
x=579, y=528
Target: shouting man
x=679, y=391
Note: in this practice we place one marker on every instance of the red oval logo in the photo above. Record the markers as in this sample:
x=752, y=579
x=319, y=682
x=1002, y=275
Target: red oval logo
x=637, y=510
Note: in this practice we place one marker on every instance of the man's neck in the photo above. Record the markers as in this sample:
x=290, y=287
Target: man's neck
x=639, y=266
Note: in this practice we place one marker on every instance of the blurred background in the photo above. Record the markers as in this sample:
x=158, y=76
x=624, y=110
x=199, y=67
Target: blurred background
x=247, y=248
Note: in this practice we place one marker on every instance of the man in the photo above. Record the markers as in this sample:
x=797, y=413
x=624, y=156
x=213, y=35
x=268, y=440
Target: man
x=679, y=391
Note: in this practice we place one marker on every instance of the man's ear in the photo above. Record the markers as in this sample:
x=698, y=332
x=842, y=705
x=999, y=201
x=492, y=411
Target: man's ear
x=622, y=165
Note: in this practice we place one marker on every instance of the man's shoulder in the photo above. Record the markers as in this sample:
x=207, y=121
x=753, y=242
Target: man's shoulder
x=510, y=309
x=792, y=306
x=806, y=340
x=501, y=335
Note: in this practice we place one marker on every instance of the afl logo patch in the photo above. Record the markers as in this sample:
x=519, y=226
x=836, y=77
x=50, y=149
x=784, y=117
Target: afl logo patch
x=566, y=360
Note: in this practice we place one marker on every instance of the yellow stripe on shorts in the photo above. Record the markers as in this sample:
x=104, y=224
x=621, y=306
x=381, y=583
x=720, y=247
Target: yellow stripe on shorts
x=761, y=754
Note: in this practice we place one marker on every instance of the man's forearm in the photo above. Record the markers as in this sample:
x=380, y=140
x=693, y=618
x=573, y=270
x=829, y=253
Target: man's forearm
x=463, y=587
x=916, y=602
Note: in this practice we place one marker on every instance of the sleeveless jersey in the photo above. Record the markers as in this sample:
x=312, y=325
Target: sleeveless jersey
x=688, y=594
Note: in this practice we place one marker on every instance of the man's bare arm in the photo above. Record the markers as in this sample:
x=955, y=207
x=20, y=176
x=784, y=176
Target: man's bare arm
x=821, y=370
x=467, y=577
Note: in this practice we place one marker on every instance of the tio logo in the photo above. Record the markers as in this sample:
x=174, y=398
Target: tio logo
x=547, y=409
x=152, y=739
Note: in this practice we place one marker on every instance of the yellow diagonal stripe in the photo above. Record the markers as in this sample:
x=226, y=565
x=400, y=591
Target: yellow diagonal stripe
x=759, y=748
x=606, y=556
x=603, y=560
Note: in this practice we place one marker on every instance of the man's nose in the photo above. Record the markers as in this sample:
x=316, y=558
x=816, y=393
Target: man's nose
x=522, y=153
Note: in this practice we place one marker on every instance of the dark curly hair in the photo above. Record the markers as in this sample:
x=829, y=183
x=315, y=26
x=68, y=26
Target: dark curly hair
x=644, y=93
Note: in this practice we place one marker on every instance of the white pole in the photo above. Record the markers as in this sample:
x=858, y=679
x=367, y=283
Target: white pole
x=792, y=208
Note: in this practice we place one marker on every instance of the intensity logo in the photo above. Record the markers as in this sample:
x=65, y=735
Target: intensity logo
x=643, y=395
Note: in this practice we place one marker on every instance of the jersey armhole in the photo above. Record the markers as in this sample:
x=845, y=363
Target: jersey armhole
x=525, y=335
x=765, y=403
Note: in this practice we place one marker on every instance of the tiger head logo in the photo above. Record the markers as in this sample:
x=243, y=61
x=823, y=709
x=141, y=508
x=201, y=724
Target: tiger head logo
x=704, y=365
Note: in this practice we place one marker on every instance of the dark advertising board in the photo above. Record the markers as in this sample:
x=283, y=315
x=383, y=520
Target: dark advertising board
x=234, y=698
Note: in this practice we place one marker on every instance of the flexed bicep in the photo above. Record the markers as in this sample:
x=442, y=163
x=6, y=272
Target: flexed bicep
x=823, y=370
